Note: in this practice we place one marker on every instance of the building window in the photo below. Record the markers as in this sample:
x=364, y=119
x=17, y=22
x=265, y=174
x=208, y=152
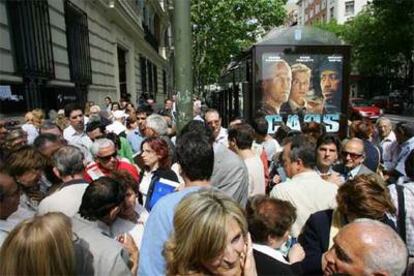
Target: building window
x=331, y=13
x=349, y=8
x=323, y=4
x=77, y=35
x=30, y=29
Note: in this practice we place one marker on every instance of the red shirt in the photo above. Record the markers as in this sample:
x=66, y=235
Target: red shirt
x=94, y=171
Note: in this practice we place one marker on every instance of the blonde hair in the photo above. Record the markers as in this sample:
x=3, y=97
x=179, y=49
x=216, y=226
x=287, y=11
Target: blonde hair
x=38, y=116
x=28, y=117
x=41, y=245
x=200, y=219
x=300, y=68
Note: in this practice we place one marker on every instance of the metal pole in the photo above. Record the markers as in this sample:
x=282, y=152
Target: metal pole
x=183, y=61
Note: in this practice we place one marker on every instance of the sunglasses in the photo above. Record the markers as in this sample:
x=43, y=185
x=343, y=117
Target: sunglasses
x=353, y=155
x=108, y=158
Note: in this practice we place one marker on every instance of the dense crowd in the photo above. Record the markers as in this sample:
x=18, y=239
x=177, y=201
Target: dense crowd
x=116, y=190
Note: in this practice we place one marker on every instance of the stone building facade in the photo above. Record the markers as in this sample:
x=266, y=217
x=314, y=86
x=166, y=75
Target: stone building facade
x=57, y=51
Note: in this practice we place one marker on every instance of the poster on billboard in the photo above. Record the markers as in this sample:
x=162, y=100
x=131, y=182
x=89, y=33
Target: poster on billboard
x=300, y=88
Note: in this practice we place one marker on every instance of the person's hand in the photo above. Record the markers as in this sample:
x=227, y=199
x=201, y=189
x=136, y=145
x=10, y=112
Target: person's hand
x=35, y=194
x=335, y=178
x=128, y=243
x=276, y=179
x=296, y=253
x=247, y=259
x=180, y=187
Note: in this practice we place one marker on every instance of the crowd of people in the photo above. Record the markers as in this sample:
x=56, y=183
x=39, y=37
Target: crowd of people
x=117, y=190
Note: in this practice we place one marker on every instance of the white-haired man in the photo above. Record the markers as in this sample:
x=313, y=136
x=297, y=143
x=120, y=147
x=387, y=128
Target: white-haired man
x=68, y=165
x=366, y=247
x=107, y=161
x=387, y=142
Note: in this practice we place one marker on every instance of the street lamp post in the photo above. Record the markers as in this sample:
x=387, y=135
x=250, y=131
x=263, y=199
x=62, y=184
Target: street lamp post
x=182, y=62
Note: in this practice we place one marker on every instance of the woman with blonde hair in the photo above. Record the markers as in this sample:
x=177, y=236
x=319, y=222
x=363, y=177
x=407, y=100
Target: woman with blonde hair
x=34, y=120
x=41, y=245
x=210, y=237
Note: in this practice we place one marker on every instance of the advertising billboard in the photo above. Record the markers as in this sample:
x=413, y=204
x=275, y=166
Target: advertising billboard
x=299, y=88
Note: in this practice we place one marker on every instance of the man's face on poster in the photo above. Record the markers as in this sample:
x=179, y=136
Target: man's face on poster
x=300, y=86
x=277, y=88
x=330, y=83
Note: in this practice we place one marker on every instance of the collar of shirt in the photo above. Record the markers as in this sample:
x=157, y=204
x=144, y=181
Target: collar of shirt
x=306, y=174
x=73, y=132
x=267, y=250
x=389, y=138
x=352, y=173
x=330, y=171
x=294, y=106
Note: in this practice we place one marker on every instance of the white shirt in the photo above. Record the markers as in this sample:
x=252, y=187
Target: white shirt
x=144, y=185
x=136, y=230
x=309, y=193
x=256, y=175
x=31, y=131
x=8, y=224
x=277, y=255
x=389, y=146
x=271, y=147
x=222, y=138
x=116, y=127
x=66, y=200
x=80, y=140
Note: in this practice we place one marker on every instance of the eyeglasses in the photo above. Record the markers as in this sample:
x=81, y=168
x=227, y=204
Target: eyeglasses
x=353, y=155
x=106, y=159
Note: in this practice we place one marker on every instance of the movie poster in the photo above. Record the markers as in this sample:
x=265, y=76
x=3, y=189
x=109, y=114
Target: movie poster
x=300, y=88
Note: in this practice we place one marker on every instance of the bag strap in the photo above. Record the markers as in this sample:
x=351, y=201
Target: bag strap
x=401, y=211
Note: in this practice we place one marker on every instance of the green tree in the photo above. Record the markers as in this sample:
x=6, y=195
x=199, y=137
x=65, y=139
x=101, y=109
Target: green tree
x=224, y=28
x=382, y=39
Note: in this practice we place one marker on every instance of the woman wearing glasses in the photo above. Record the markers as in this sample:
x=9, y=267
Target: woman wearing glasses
x=365, y=196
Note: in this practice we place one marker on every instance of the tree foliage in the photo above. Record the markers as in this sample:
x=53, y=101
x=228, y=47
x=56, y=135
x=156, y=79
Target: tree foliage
x=224, y=28
x=382, y=39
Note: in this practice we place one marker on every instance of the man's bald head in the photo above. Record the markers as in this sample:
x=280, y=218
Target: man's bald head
x=353, y=153
x=370, y=247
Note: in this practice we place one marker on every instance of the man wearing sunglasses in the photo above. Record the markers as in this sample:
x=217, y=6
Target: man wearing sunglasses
x=107, y=161
x=353, y=155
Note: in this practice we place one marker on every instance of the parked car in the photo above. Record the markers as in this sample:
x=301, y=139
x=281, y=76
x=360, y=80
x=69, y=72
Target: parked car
x=362, y=108
x=391, y=104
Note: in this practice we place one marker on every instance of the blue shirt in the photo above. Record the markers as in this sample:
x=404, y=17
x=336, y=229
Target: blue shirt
x=135, y=138
x=157, y=231
x=405, y=150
